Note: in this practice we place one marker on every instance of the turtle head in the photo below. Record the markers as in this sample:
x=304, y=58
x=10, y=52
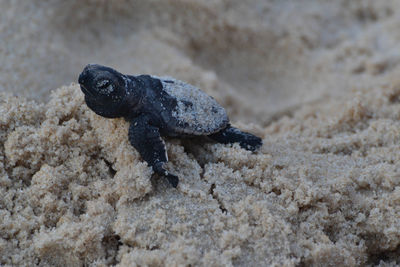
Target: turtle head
x=104, y=89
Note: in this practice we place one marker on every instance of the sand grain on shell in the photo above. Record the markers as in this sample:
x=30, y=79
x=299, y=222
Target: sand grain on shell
x=196, y=112
x=316, y=79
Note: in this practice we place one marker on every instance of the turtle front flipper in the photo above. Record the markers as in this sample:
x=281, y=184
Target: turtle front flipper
x=146, y=139
x=231, y=135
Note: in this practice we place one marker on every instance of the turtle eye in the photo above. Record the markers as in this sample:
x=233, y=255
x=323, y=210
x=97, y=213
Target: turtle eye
x=105, y=86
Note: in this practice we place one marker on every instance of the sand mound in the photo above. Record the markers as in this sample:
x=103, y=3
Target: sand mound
x=315, y=79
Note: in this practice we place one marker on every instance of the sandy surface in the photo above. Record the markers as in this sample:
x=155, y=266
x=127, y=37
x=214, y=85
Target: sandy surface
x=318, y=80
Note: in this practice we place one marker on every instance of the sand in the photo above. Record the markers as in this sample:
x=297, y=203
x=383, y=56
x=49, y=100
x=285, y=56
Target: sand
x=317, y=80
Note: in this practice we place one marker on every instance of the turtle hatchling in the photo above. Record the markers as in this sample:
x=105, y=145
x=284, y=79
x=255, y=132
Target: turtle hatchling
x=158, y=107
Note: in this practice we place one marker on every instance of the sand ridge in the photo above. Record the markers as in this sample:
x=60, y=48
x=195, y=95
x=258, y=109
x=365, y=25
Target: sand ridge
x=74, y=190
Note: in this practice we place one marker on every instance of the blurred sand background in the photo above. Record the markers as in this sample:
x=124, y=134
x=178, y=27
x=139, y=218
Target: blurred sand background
x=318, y=80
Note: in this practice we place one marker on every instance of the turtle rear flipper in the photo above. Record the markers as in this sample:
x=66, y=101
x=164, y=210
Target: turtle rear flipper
x=231, y=135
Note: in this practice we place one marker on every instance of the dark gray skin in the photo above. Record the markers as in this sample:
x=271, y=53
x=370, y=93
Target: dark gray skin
x=142, y=101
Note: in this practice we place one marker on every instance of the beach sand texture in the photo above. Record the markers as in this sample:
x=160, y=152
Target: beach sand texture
x=317, y=80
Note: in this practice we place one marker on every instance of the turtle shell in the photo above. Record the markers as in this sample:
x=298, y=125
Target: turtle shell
x=196, y=112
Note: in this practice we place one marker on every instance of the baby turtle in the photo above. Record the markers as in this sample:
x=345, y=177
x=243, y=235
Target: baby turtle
x=156, y=107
